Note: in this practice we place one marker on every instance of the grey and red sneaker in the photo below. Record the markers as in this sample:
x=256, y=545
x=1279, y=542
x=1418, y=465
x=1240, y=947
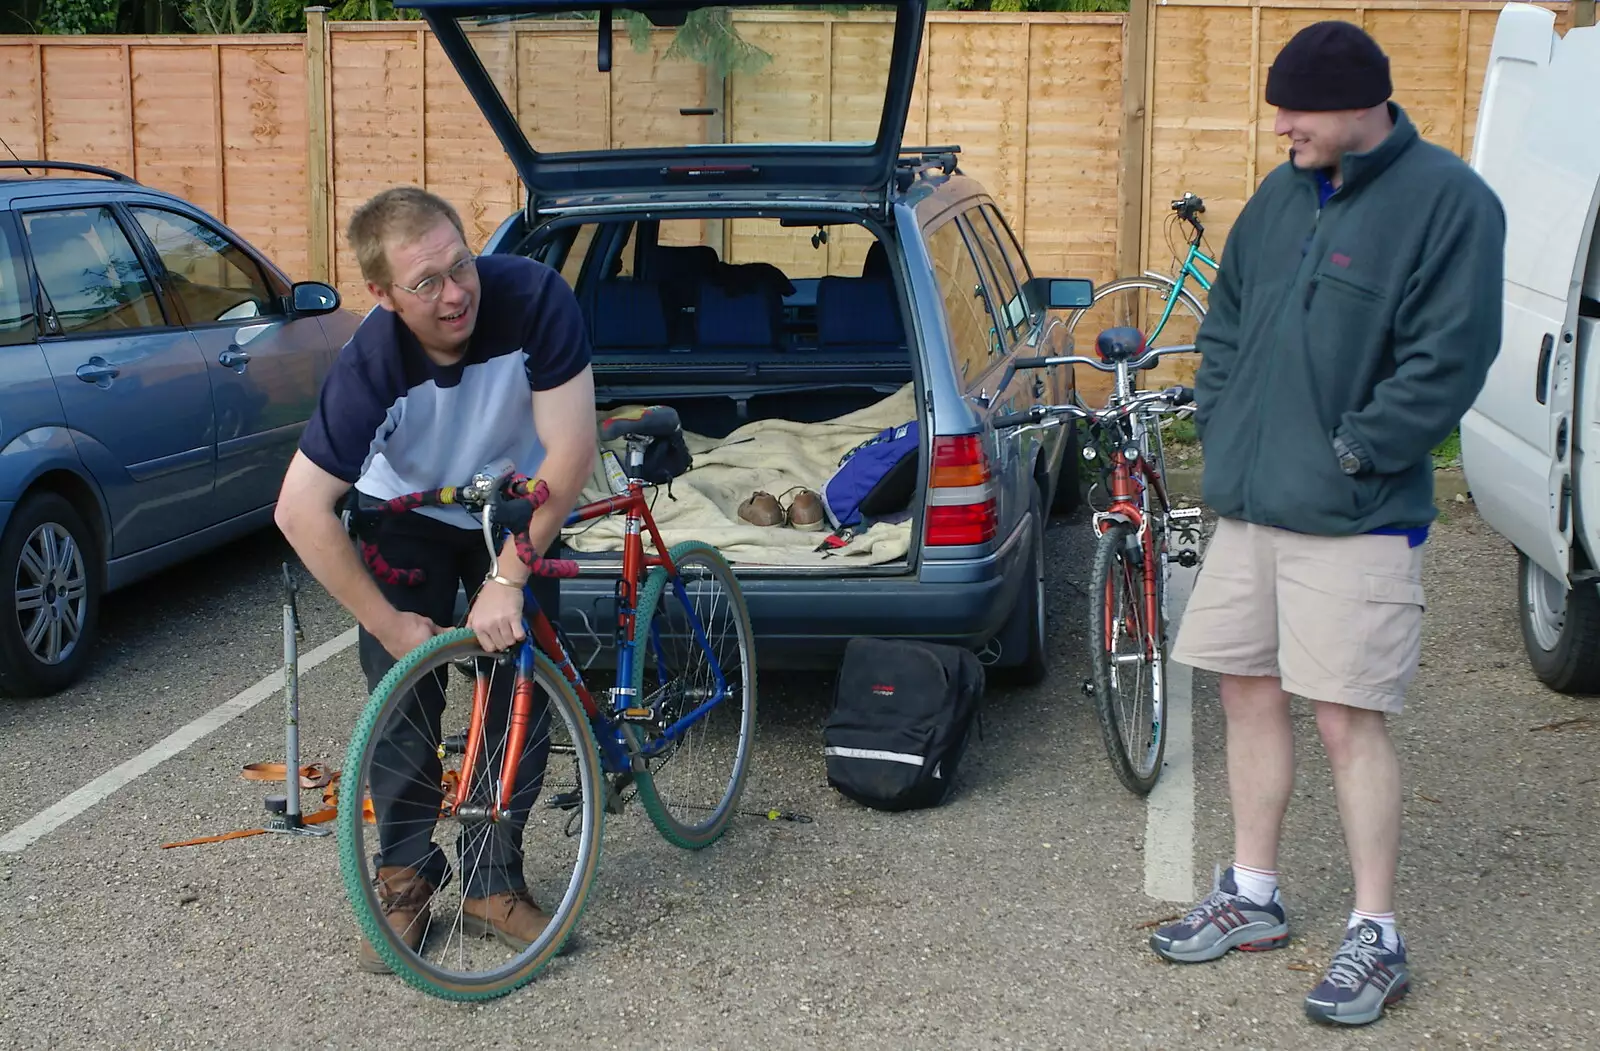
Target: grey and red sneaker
x=1223, y=920
x=1363, y=979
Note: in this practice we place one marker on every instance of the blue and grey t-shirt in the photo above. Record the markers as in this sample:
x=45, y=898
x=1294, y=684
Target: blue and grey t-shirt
x=392, y=421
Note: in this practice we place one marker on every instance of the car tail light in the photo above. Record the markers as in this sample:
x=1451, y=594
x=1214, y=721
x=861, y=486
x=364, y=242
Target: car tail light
x=961, y=503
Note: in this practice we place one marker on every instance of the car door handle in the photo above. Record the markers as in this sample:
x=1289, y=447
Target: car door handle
x=98, y=370
x=233, y=357
x=1541, y=377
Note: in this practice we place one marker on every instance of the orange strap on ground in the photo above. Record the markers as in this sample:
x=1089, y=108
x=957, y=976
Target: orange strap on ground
x=313, y=775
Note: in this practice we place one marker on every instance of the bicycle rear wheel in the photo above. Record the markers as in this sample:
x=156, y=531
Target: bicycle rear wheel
x=694, y=656
x=1128, y=657
x=408, y=750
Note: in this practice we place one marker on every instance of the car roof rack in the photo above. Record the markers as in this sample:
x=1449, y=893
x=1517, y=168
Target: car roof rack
x=75, y=166
x=914, y=161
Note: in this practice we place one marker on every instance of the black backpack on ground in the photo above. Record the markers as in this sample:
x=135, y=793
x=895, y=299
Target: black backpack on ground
x=900, y=721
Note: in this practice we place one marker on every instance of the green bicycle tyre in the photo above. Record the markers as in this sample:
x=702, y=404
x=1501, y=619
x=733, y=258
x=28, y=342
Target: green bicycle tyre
x=695, y=837
x=441, y=651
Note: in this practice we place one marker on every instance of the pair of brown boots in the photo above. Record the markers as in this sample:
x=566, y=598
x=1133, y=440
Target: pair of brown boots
x=511, y=916
x=804, y=511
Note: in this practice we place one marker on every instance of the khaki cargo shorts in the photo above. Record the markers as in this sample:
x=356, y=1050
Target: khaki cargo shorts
x=1337, y=618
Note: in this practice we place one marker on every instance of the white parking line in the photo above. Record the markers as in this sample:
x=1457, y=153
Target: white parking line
x=103, y=786
x=1169, y=808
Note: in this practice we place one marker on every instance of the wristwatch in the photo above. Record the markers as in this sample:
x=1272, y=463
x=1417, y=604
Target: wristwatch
x=1349, y=462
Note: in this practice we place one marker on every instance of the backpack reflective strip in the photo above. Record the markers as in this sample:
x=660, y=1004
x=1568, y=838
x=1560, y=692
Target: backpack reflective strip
x=874, y=753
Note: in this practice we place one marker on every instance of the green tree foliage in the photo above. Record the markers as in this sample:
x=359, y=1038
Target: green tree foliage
x=76, y=17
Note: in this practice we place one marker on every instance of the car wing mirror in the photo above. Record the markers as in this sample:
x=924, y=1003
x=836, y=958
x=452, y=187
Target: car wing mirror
x=314, y=297
x=1060, y=293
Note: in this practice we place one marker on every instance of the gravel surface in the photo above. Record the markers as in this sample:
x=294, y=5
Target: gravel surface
x=1013, y=917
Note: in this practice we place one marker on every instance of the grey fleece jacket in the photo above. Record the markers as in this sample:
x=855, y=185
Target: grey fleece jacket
x=1368, y=323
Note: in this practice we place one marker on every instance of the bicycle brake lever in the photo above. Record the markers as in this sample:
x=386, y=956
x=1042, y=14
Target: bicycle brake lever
x=487, y=482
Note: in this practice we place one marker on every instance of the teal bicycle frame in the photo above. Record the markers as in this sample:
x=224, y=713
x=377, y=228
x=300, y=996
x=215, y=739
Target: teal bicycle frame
x=1187, y=270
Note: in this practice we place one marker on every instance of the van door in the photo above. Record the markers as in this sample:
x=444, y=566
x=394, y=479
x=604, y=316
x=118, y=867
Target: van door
x=1538, y=147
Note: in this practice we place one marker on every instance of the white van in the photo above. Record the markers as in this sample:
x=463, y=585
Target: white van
x=1526, y=442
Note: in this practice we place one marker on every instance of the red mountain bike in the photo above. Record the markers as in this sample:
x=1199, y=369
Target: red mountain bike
x=1139, y=535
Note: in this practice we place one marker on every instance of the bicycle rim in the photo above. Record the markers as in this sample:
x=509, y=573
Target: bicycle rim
x=1139, y=302
x=692, y=784
x=1129, y=682
x=418, y=758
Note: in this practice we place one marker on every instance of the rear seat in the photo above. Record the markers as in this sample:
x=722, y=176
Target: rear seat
x=858, y=316
x=680, y=269
x=629, y=315
x=726, y=320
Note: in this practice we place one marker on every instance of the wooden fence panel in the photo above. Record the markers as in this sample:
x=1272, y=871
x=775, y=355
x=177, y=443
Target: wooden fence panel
x=244, y=126
x=219, y=121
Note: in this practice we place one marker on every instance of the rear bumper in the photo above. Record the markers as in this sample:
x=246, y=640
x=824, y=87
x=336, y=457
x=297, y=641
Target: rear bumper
x=805, y=622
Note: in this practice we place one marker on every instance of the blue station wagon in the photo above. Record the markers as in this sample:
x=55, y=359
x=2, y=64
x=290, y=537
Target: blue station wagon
x=156, y=371
x=769, y=288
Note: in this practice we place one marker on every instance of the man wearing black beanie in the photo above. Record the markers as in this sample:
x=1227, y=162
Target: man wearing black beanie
x=1352, y=324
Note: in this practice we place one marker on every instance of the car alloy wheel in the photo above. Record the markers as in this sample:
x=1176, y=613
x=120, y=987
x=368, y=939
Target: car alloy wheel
x=52, y=593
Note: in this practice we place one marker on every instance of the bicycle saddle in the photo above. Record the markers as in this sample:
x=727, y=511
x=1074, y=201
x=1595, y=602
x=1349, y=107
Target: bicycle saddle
x=656, y=421
x=1120, y=344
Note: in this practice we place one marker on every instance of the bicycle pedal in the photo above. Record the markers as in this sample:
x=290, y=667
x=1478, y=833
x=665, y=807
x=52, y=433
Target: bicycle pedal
x=637, y=715
x=1185, y=512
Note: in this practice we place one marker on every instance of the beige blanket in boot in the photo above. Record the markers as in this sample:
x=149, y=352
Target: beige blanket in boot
x=776, y=456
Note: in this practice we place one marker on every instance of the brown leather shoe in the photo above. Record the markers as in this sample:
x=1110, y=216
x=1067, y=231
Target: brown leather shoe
x=512, y=917
x=805, y=511
x=404, y=897
x=762, y=509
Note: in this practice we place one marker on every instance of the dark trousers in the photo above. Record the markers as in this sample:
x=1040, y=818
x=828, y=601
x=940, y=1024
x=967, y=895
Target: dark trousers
x=405, y=778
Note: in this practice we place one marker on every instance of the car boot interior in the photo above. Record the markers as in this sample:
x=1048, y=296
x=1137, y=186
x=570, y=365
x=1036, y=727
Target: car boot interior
x=779, y=360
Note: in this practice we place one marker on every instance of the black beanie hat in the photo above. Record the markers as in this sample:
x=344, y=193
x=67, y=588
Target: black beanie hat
x=1329, y=66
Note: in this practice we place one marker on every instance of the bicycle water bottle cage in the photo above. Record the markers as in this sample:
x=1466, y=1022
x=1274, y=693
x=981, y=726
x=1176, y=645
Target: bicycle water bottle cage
x=1119, y=344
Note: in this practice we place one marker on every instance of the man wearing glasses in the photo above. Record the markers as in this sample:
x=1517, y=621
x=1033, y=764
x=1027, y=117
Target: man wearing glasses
x=463, y=363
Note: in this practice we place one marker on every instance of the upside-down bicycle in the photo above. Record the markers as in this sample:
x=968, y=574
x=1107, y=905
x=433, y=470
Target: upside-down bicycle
x=684, y=653
x=1140, y=533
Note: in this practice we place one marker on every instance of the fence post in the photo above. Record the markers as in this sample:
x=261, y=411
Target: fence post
x=319, y=216
x=1130, y=184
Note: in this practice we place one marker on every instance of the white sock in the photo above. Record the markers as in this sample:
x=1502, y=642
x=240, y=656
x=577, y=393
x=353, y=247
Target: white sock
x=1391, y=937
x=1256, y=884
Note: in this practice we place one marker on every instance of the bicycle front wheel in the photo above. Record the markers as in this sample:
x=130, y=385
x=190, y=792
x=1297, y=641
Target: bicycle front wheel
x=473, y=936
x=1127, y=657
x=694, y=666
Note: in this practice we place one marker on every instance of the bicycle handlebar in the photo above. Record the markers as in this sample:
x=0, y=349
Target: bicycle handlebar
x=502, y=496
x=1178, y=397
x=1143, y=361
